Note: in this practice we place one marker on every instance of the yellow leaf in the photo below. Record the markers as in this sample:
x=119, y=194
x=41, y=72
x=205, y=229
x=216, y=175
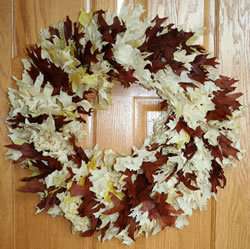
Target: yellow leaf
x=84, y=17
x=90, y=79
x=81, y=181
x=69, y=185
x=111, y=189
x=92, y=164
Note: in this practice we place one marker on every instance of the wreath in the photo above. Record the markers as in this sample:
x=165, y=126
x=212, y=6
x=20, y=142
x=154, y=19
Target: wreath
x=70, y=73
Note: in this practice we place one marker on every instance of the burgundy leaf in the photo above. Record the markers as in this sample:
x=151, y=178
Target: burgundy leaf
x=163, y=46
x=198, y=132
x=147, y=205
x=188, y=179
x=39, y=176
x=198, y=71
x=225, y=104
x=50, y=200
x=118, y=205
x=217, y=177
x=215, y=150
x=152, y=147
x=87, y=57
x=226, y=146
x=172, y=173
x=87, y=233
x=89, y=206
x=104, y=229
x=81, y=110
x=67, y=30
x=132, y=227
x=33, y=186
x=167, y=220
x=38, y=119
x=19, y=118
x=52, y=74
x=150, y=168
x=109, y=32
x=16, y=120
x=28, y=151
x=79, y=155
x=186, y=85
x=78, y=190
x=70, y=175
x=131, y=188
x=60, y=121
x=90, y=95
x=125, y=77
x=190, y=149
x=122, y=220
x=53, y=32
x=163, y=211
x=226, y=83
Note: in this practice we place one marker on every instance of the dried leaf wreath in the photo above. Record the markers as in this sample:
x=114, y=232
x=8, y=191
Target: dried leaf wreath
x=70, y=73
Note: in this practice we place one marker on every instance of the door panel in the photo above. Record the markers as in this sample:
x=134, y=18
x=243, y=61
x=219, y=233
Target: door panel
x=6, y=172
x=233, y=207
x=225, y=224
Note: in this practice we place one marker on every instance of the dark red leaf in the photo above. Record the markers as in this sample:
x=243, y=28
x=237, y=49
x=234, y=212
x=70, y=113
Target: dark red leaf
x=70, y=175
x=226, y=83
x=131, y=188
x=147, y=205
x=217, y=177
x=16, y=120
x=163, y=46
x=104, y=229
x=167, y=220
x=226, y=147
x=78, y=190
x=87, y=57
x=215, y=150
x=164, y=105
x=19, y=118
x=188, y=179
x=33, y=186
x=60, y=121
x=185, y=85
x=225, y=103
x=150, y=168
x=122, y=220
x=118, y=205
x=172, y=173
x=50, y=200
x=198, y=71
x=132, y=227
x=38, y=119
x=125, y=77
x=198, y=132
x=190, y=149
x=79, y=155
x=52, y=74
x=28, y=151
x=152, y=147
x=39, y=176
x=165, y=213
x=54, y=32
x=67, y=30
x=89, y=206
x=109, y=32
x=87, y=233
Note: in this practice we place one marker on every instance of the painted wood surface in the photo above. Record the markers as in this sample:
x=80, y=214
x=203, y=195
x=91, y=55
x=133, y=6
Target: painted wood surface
x=226, y=222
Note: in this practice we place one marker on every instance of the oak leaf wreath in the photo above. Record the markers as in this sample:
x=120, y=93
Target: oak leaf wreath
x=70, y=73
